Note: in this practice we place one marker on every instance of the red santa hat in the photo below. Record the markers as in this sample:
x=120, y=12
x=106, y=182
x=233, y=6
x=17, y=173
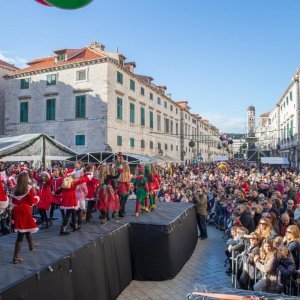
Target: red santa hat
x=23, y=169
x=70, y=172
x=141, y=169
x=3, y=197
x=47, y=174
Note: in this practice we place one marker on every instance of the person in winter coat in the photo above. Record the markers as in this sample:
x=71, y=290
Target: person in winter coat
x=247, y=275
x=265, y=262
x=285, y=268
x=246, y=218
x=200, y=200
x=291, y=240
x=23, y=198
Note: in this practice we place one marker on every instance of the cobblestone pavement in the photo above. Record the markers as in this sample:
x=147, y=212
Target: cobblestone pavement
x=205, y=267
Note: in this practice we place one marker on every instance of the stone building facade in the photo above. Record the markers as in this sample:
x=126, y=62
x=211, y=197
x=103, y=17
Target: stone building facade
x=92, y=100
x=5, y=68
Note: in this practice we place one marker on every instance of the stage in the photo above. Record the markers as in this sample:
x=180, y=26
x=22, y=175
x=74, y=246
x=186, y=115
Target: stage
x=98, y=261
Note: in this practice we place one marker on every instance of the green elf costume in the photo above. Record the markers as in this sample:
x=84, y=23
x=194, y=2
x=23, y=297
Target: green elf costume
x=141, y=190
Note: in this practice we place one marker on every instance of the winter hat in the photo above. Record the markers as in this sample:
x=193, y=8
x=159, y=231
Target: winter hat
x=47, y=174
x=141, y=169
x=70, y=172
x=3, y=197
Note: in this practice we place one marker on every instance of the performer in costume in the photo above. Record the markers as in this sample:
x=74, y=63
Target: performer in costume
x=45, y=196
x=23, y=198
x=4, y=200
x=56, y=182
x=108, y=199
x=92, y=184
x=81, y=192
x=153, y=183
x=141, y=190
x=69, y=202
x=123, y=187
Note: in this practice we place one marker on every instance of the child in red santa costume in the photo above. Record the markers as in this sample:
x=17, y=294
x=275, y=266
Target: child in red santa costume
x=56, y=181
x=92, y=184
x=69, y=202
x=4, y=201
x=45, y=196
x=23, y=198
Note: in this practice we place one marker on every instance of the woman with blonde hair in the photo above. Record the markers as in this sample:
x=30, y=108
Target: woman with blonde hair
x=265, y=262
x=291, y=240
x=124, y=187
x=265, y=230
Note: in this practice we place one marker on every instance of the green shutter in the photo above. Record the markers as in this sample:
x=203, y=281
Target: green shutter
x=80, y=106
x=132, y=114
x=24, y=112
x=80, y=140
x=142, y=144
x=119, y=140
x=151, y=119
x=24, y=83
x=132, y=142
x=120, y=77
x=142, y=116
x=50, y=110
x=132, y=85
x=119, y=108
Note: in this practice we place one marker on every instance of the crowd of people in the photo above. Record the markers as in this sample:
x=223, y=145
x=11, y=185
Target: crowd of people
x=257, y=207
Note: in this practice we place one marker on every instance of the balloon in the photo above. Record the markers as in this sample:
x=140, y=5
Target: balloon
x=43, y=2
x=69, y=4
x=225, y=143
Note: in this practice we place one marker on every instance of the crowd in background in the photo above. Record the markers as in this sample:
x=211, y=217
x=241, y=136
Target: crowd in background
x=257, y=207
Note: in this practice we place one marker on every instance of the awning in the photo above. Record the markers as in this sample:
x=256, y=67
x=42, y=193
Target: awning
x=220, y=158
x=275, y=160
x=110, y=157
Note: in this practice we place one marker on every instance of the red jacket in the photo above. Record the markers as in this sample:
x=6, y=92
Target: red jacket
x=55, y=185
x=69, y=196
x=23, y=220
x=92, y=184
x=123, y=188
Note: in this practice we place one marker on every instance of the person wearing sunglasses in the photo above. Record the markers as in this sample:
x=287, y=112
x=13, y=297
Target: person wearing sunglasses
x=284, y=221
x=265, y=263
x=291, y=240
x=248, y=271
x=269, y=207
x=265, y=230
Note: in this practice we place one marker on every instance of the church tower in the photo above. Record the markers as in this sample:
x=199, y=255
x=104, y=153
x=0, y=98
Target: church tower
x=251, y=121
x=251, y=139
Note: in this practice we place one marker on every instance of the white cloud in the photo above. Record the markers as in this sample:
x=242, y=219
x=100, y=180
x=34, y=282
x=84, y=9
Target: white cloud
x=227, y=123
x=14, y=60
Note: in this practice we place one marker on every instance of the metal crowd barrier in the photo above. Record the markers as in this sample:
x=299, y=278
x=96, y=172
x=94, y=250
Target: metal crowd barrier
x=290, y=288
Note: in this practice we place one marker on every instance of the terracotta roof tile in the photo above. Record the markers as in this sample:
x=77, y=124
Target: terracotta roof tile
x=7, y=65
x=84, y=54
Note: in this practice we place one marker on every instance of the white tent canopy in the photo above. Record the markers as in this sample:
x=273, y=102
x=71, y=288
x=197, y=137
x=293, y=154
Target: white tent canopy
x=274, y=160
x=36, y=147
x=220, y=158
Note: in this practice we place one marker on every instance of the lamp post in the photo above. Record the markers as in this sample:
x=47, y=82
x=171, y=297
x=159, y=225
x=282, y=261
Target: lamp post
x=107, y=148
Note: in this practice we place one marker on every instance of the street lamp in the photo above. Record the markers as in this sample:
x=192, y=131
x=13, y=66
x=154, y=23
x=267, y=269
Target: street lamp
x=107, y=148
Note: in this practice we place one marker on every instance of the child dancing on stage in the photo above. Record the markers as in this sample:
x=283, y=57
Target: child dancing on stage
x=123, y=187
x=23, y=198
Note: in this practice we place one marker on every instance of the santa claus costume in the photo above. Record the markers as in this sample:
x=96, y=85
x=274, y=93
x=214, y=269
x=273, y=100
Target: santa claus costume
x=81, y=192
x=56, y=181
x=23, y=198
x=108, y=199
x=92, y=184
x=69, y=202
x=141, y=189
x=45, y=196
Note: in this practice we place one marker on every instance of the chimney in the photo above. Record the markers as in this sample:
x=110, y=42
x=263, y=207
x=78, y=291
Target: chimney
x=162, y=88
x=97, y=46
x=130, y=66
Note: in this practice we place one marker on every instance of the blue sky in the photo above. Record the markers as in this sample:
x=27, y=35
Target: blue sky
x=220, y=55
